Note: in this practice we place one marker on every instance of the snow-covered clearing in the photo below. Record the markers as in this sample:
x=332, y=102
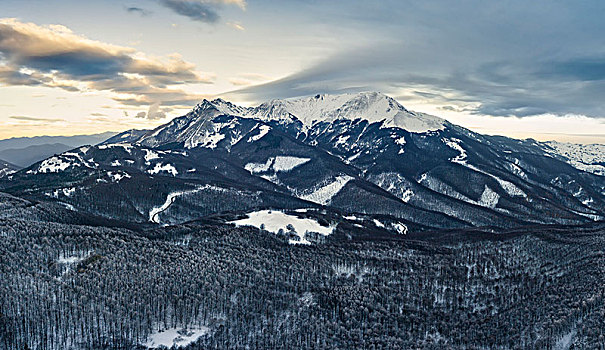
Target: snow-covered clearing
x=176, y=337
x=53, y=165
x=279, y=163
x=69, y=261
x=150, y=155
x=489, y=198
x=274, y=221
x=159, y=167
x=378, y=223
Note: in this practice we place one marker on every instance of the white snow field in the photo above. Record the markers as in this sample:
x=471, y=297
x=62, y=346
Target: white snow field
x=274, y=221
x=175, y=337
x=279, y=163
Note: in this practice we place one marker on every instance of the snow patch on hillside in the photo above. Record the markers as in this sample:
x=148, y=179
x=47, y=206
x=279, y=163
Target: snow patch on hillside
x=52, y=165
x=118, y=176
x=126, y=147
x=150, y=155
x=256, y=168
x=263, y=130
x=287, y=163
x=175, y=337
x=401, y=142
x=341, y=141
x=276, y=221
x=6, y=171
x=454, y=144
x=66, y=192
x=209, y=141
x=276, y=164
x=159, y=167
x=324, y=193
x=378, y=223
x=400, y=228
x=510, y=188
x=489, y=198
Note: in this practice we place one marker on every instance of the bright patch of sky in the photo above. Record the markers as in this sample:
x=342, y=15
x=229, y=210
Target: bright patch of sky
x=522, y=69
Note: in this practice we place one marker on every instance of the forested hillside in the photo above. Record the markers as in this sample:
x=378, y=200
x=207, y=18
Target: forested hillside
x=68, y=286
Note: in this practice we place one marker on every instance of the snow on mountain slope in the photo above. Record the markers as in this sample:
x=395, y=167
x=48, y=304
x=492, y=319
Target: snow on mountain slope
x=198, y=128
x=371, y=106
x=6, y=168
x=279, y=163
x=59, y=163
x=285, y=153
x=214, y=123
x=589, y=158
x=323, y=193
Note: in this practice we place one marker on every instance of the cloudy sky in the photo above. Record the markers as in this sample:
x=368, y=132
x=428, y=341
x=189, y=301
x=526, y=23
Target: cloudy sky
x=517, y=68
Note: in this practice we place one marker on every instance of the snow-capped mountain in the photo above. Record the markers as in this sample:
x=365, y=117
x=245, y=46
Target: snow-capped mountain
x=373, y=107
x=354, y=153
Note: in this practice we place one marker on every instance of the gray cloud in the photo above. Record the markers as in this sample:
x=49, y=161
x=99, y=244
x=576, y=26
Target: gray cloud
x=508, y=58
x=195, y=10
x=206, y=11
x=36, y=119
x=53, y=56
x=137, y=10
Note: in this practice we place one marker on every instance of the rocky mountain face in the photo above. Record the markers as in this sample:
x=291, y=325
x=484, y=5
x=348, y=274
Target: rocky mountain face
x=352, y=154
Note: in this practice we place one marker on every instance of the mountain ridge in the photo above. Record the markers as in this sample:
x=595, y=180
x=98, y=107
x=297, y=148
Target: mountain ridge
x=223, y=157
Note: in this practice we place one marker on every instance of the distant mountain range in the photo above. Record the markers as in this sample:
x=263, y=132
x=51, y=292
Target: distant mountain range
x=24, y=151
x=353, y=156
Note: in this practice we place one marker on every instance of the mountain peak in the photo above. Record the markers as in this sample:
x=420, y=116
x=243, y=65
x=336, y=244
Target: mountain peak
x=371, y=106
x=197, y=127
x=219, y=106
